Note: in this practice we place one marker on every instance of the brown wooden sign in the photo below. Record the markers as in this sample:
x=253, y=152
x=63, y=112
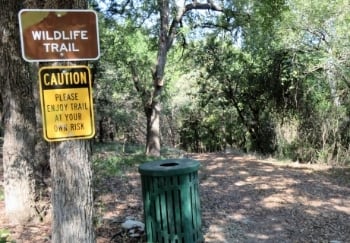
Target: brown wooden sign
x=59, y=35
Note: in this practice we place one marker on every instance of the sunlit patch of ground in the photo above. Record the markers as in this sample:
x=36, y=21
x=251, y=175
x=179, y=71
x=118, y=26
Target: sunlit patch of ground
x=243, y=199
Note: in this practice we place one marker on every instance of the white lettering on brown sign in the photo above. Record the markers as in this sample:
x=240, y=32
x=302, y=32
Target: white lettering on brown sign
x=59, y=35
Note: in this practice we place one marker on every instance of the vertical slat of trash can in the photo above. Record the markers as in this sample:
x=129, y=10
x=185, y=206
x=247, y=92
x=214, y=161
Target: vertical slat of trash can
x=163, y=209
x=195, y=204
x=176, y=200
x=155, y=213
x=170, y=205
x=171, y=201
x=197, y=209
x=185, y=205
x=147, y=188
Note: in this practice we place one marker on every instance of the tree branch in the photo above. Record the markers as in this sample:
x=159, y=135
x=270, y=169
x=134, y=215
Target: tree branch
x=135, y=77
x=116, y=8
x=210, y=5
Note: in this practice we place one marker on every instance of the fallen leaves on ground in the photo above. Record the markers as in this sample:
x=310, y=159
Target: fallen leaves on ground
x=243, y=199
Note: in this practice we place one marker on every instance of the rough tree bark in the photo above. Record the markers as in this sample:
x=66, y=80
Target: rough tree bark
x=42, y=148
x=71, y=192
x=18, y=119
x=70, y=163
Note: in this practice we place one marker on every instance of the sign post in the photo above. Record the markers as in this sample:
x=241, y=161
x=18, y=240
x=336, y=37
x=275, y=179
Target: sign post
x=66, y=102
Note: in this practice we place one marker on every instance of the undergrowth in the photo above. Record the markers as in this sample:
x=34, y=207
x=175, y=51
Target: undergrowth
x=112, y=159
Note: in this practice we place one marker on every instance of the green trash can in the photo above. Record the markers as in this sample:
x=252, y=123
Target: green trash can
x=171, y=201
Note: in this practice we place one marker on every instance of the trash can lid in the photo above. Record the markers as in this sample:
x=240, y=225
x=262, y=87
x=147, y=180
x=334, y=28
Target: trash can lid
x=169, y=167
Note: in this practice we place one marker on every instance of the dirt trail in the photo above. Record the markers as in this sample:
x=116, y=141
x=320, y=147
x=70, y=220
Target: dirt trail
x=243, y=199
x=250, y=200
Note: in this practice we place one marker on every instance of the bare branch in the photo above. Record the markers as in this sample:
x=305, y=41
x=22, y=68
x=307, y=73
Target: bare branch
x=320, y=34
x=181, y=11
x=136, y=79
x=116, y=8
x=209, y=5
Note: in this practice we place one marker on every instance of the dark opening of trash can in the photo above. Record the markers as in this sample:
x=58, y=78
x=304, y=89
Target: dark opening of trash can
x=169, y=164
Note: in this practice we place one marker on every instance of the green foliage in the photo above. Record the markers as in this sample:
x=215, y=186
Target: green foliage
x=235, y=98
x=2, y=194
x=257, y=68
x=111, y=159
x=126, y=47
x=110, y=166
x=316, y=30
x=5, y=236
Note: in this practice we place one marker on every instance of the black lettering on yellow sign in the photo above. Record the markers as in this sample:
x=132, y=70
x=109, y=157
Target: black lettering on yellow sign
x=78, y=106
x=66, y=102
x=64, y=78
x=66, y=97
x=76, y=126
x=53, y=78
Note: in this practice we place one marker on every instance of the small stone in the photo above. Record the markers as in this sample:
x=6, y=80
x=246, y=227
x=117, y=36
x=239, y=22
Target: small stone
x=130, y=224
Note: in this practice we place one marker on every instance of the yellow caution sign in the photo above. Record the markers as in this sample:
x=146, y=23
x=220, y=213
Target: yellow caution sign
x=66, y=103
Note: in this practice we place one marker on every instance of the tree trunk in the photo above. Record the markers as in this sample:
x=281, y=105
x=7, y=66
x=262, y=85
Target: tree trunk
x=153, y=110
x=167, y=36
x=71, y=176
x=71, y=192
x=153, y=129
x=42, y=147
x=18, y=119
